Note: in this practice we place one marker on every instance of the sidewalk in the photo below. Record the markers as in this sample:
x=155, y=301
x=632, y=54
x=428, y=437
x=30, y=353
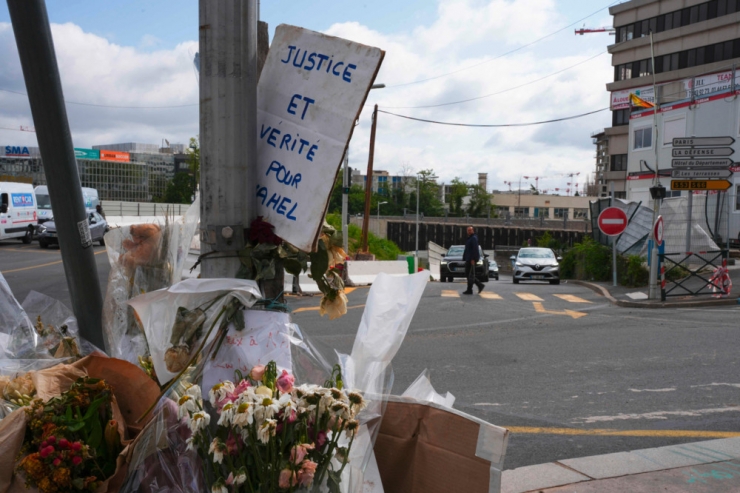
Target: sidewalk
x=710, y=466
x=638, y=297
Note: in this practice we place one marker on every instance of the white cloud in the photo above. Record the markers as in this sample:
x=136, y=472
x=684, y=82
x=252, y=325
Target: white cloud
x=466, y=32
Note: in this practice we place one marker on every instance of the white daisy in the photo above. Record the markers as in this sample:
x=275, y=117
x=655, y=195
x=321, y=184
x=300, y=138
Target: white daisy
x=266, y=430
x=186, y=405
x=227, y=414
x=194, y=392
x=218, y=449
x=199, y=421
x=244, y=415
x=219, y=391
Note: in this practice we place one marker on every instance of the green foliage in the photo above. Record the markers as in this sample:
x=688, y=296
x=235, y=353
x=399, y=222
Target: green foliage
x=547, y=241
x=587, y=260
x=631, y=271
x=180, y=189
x=458, y=191
x=480, y=202
x=381, y=248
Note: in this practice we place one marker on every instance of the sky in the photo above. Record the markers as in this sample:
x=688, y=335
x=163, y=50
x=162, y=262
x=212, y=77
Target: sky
x=127, y=75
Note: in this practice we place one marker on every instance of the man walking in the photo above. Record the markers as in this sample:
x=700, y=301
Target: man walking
x=471, y=256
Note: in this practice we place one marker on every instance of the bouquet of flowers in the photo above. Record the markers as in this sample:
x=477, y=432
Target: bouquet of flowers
x=72, y=441
x=272, y=436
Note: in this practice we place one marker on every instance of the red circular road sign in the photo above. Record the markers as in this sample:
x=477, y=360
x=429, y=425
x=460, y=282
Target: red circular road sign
x=658, y=230
x=612, y=221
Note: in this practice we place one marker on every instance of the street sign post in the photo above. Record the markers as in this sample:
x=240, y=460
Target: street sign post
x=702, y=151
x=700, y=184
x=701, y=173
x=702, y=163
x=702, y=141
x=612, y=222
x=658, y=231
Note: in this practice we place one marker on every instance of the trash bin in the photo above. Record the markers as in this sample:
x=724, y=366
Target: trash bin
x=410, y=262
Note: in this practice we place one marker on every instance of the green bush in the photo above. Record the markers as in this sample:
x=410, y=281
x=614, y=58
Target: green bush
x=588, y=260
x=631, y=271
x=547, y=241
x=381, y=248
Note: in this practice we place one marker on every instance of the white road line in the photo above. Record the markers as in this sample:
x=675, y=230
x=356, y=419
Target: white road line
x=657, y=415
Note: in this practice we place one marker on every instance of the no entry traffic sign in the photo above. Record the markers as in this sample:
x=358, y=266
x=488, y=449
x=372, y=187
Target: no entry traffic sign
x=658, y=230
x=612, y=221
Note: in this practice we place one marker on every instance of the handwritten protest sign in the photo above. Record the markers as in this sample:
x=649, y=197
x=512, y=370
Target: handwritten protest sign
x=265, y=338
x=310, y=93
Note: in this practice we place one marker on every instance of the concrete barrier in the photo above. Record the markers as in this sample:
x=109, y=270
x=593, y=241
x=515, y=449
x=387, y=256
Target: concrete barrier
x=361, y=273
x=434, y=268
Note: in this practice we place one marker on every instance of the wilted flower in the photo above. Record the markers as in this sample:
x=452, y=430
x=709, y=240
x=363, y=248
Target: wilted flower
x=308, y=469
x=218, y=449
x=241, y=476
x=287, y=478
x=244, y=415
x=219, y=391
x=186, y=406
x=199, y=421
x=351, y=427
x=219, y=487
x=257, y=373
x=285, y=382
x=266, y=430
x=357, y=402
x=298, y=453
x=334, y=306
x=194, y=392
x=227, y=414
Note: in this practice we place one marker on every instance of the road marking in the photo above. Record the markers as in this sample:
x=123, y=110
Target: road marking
x=660, y=414
x=42, y=265
x=22, y=250
x=448, y=293
x=348, y=290
x=570, y=313
x=628, y=433
x=487, y=295
x=316, y=308
x=528, y=297
x=571, y=298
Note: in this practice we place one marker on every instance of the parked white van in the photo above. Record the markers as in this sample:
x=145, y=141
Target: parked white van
x=18, y=215
x=89, y=195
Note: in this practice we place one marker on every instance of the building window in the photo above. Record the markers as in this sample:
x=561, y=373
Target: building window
x=620, y=195
x=620, y=117
x=618, y=162
x=560, y=212
x=521, y=211
x=672, y=193
x=643, y=138
x=580, y=213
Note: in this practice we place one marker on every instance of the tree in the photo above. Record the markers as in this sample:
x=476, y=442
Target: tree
x=480, y=202
x=458, y=191
x=180, y=189
x=194, y=159
x=533, y=190
x=429, y=203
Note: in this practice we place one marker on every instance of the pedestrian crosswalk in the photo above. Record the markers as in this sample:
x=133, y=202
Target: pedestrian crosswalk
x=489, y=295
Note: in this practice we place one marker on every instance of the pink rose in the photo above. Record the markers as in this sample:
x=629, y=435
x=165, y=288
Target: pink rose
x=308, y=469
x=287, y=479
x=257, y=373
x=321, y=438
x=231, y=445
x=230, y=479
x=285, y=382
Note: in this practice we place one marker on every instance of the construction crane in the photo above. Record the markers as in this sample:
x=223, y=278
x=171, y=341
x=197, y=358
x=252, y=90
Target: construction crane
x=508, y=183
x=536, y=182
x=585, y=30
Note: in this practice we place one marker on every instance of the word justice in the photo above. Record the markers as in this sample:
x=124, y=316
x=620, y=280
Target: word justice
x=318, y=61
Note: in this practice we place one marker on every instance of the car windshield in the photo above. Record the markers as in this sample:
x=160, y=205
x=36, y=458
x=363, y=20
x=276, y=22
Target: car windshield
x=536, y=253
x=43, y=202
x=456, y=251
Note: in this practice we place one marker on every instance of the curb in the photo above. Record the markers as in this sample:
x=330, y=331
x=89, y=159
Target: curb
x=652, y=304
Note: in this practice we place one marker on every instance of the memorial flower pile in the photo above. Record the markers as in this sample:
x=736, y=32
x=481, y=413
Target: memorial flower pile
x=273, y=436
x=71, y=441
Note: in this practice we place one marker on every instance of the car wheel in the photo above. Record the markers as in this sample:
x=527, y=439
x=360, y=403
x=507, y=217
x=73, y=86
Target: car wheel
x=43, y=244
x=28, y=237
x=102, y=242
x=515, y=280
x=450, y=279
x=555, y=281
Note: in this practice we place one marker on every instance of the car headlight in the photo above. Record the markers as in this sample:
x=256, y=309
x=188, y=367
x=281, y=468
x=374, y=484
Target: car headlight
x=519, y=264
x=444, y=262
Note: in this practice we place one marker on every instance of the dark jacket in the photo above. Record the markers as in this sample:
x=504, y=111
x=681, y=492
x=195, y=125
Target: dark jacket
x=471, y=249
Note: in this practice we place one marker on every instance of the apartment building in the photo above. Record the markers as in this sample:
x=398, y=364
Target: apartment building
x=696, y=47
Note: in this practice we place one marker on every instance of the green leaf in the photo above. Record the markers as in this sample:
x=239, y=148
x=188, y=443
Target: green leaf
x=332, y=481
x=292, y=266
x=76, y=427
x=319, y=261
x=96, y=434
x=68, y=414
x=94, y=406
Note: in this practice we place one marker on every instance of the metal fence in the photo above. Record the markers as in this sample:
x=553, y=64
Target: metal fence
x=117, y=208
x=694, y=274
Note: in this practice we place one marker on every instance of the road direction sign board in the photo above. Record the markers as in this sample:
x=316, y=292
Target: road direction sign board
x=702, y=141
x=702, y=163
x=658, y=230
x=701, y=173
x=612, y=221
x=700, y=184
x=701, y=151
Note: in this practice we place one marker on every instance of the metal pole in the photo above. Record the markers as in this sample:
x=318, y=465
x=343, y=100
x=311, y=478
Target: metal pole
x=377, y=226
x=416, y=255
x=345, y=203
x=369, y=182
x=653, y=292
x=228, y=129
x=41, y=73
x=689, y=211
x=614, y=244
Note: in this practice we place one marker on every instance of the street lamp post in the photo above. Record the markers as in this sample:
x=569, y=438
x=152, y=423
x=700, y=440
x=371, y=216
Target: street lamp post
x=379, y=204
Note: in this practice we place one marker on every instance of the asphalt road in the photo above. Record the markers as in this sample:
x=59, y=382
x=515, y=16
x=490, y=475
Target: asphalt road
x=570, y=374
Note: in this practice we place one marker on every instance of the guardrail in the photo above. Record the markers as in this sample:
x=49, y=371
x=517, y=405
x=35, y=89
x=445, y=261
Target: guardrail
x=117, y=208
x=695, y=280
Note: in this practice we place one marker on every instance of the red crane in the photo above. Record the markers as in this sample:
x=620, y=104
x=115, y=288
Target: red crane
x=585, y=30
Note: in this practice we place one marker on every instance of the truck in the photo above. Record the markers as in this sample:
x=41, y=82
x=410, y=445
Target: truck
x=89, y=195
x=18, y=212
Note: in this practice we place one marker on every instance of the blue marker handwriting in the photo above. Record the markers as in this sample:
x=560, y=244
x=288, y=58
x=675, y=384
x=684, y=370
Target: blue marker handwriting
x=288, y=142
x=318, y=61
x=278, y=203
x=283, y=174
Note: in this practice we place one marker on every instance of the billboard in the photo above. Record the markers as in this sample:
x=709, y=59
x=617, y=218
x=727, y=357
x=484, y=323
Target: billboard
x=87, y=153
x=121, y=156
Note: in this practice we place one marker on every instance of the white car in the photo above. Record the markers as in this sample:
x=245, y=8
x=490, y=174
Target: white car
x=536, y=264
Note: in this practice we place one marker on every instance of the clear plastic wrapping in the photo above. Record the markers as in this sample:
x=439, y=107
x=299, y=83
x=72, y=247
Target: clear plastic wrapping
x=161, y=460
x=143, y=258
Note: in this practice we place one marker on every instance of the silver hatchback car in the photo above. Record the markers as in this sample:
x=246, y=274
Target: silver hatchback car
x=536, y=264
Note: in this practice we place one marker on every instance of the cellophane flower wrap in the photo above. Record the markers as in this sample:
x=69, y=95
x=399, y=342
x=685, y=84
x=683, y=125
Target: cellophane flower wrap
x=143, y=258
x=307, y=423
x=272, y=436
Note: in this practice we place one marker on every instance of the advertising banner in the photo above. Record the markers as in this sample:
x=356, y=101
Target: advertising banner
x=123, y=157
x=87, y=153
x=22, y=199
x=706, y=85
x=310, y=93
x=621, y=99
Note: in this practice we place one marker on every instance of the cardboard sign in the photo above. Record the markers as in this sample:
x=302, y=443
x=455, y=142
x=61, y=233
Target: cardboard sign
x=265, y=338
x=310, y=93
